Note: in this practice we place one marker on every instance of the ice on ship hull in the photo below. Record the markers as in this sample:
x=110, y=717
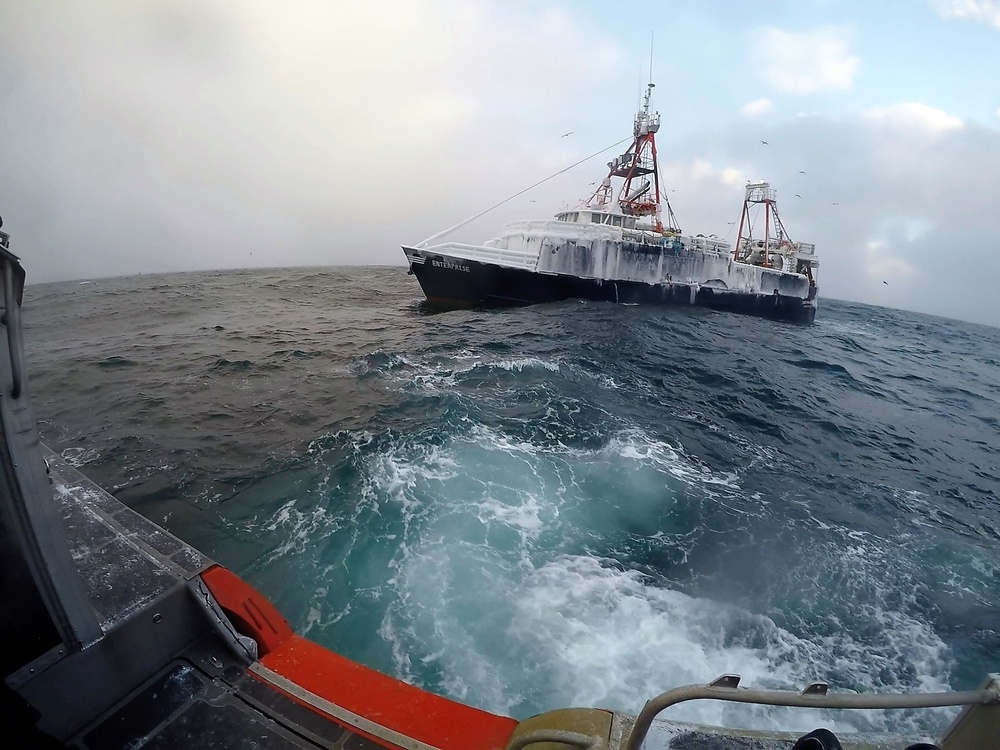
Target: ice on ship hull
x=450, y=283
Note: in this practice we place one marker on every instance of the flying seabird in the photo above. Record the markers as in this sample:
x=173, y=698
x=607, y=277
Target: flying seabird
x=765, y=143
x=565, y=134
x=801, y=172
x=797, y=195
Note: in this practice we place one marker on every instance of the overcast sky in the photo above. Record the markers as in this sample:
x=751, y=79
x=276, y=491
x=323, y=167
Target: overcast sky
x=174, y=135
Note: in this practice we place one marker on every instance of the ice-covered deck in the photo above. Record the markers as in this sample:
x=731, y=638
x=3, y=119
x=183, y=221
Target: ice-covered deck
x=500, y=256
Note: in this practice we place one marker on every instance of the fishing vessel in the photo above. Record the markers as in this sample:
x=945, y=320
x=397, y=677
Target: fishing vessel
x=624, y=245
x=117, y=634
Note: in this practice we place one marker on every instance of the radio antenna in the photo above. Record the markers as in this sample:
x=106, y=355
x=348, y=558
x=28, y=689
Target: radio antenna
x=650, y=56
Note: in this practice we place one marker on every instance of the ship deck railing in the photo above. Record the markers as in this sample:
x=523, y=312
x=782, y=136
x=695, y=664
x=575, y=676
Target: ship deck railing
x=487, y=254
x=975, y=728
x=815, y=695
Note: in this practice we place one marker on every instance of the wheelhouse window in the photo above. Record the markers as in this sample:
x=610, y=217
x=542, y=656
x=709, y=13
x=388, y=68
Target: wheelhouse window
x=608, y=219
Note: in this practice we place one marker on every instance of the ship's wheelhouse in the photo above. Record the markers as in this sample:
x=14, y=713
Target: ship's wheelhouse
x=597, y=217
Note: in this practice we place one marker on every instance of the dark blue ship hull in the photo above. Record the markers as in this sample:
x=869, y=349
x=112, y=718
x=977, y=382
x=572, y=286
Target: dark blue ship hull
x=450, y=283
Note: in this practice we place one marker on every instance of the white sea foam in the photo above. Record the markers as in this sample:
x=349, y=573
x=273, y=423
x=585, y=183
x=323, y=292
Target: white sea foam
x=986, y=566
x=670, y=459
x=491, y=597
x=297, y=530
x=526, y=517
x=581, y=631
x=78, y=457
x=517, y=364
x=435, y=373
x=610, y=638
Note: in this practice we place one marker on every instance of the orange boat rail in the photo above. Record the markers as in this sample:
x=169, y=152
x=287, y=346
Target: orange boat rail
x=389, y=711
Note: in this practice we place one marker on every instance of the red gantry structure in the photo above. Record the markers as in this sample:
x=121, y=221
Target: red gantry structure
x=640, y=194
x=772, y=247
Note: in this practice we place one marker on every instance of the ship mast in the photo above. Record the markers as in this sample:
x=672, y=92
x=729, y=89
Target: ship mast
x=641, y=194
x=758, y=250
x=639, y=197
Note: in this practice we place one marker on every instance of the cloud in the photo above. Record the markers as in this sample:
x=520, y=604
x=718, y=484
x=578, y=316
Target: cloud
x=881, y=264
x=914, y=116
x=184, y=134
x=807, y=62
x=757, y=107
x=979, y=11
x=886, y=254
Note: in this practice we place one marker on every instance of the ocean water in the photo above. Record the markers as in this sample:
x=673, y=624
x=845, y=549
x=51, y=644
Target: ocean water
x=566, y=504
